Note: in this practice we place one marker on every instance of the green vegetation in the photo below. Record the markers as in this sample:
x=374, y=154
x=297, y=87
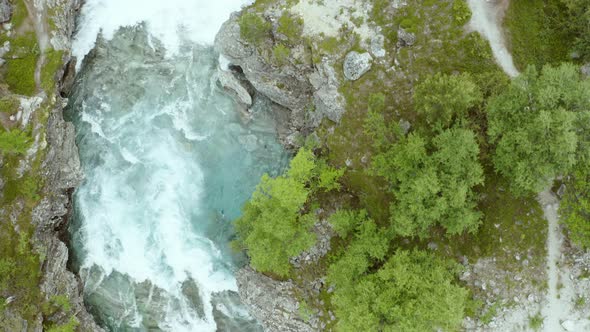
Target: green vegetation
x=577, y=24
x=537, y=108
x=281, y=54
x=9, y=104
x=432, y=182
x=575, y=206
x=14, y=141
x=254, y=28
x=445, y=99
x=461, y=12
x=21, y=63
x=70, y=326
x=53, y=63
x=422, y=130
x=412, y=291
x=536, y=322
x=291, y=27
x=275, y=224
x=538, y=32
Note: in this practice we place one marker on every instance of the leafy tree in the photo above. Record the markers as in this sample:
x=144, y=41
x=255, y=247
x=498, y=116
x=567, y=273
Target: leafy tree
x=413, y=291
x=345, y=221
x=533, y=126
x=253, y=28
x=432, y=183
x=443, y=99
x=273, y=226
x=369, y=244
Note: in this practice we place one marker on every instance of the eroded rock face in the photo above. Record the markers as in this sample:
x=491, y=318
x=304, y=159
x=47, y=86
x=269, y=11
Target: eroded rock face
x=271, y=302
x=356, y=65
x=296, y=84
x=62, y=173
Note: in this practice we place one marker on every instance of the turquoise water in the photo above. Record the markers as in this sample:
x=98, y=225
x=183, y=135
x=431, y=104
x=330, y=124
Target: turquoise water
x=168, y=163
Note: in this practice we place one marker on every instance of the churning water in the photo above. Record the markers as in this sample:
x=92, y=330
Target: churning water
x=168, y=164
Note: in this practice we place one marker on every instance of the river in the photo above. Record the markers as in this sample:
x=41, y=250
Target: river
x=168, y=163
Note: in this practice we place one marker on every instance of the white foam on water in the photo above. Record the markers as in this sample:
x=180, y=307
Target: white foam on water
x=145, y=186
x=169, y=21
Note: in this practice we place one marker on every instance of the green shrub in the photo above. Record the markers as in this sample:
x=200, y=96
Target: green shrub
x=14, y=141
x=70, y=326
x=253, y=28
x=291, y=27
x=281, y=54
x=53, y=63
x=461, y=12
x=9, y=104
x=412, y=292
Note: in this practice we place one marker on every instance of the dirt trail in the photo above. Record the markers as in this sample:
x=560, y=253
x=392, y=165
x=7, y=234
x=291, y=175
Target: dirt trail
x=555, y=309
x=486, y=18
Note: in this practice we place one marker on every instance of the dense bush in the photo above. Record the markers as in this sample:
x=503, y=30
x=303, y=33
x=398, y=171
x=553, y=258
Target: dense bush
x=444, y=99
x=291, y=26
x=432, y=182
x=14, y=141
x=274, y=225
x=254, y=28
x=412, y=291
x=533, y=126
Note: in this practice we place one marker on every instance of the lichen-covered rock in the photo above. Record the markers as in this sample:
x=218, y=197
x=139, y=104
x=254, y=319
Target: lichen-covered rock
x=271, y=302
x=405, y=38
x=5, y=11
x=356, y=65
x=378, y=46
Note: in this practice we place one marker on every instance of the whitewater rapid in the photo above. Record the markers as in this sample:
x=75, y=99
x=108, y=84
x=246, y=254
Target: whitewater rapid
x=169, y=21
x=168, y=164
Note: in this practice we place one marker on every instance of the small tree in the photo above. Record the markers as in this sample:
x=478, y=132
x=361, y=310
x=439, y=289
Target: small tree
x=274, y=226
x=442, y=99
x=533, y=126
x=432, y=183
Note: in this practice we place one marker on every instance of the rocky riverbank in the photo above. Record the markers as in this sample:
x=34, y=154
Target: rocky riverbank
x=50, y=164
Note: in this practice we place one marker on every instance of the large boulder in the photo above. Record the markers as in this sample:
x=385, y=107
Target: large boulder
x=356, y=65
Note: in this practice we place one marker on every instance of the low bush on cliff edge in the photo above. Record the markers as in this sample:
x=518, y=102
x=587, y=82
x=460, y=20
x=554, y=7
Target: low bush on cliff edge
x=254, y=28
